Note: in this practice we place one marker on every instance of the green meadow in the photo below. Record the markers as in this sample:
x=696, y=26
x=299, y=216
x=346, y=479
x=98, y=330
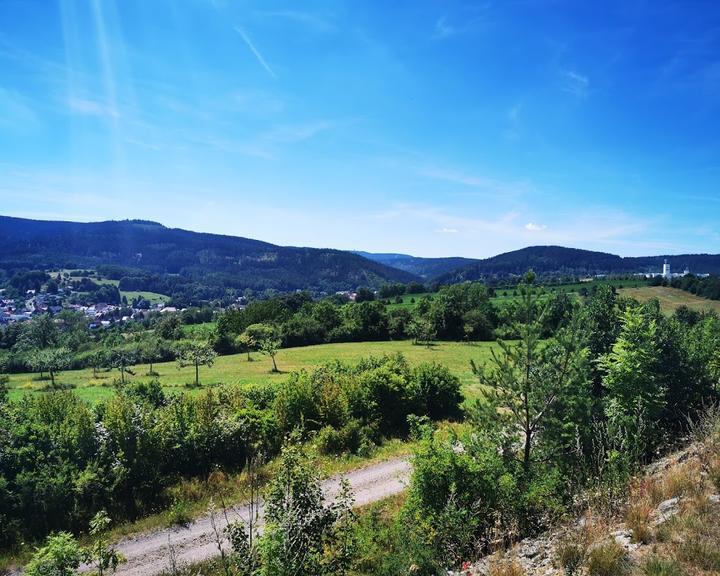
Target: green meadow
x=235, y=370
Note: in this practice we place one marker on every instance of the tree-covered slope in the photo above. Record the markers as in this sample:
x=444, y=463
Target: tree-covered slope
x=216, y=259
x=423, y=267
x=558, y=260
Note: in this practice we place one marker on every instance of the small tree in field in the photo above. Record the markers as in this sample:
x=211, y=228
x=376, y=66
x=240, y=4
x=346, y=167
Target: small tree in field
x=98, y=359
x=149, y=352
x=196, y=354
x=422, y=331
x=246, y=341
x=51, y=360
x=123, y=359
x=270, y=347
x=528, y=376
x=264, y=337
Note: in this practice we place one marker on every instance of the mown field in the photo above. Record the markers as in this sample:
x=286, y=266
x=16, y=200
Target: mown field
x=235, y=370
x=152, y=297
x=671, y=298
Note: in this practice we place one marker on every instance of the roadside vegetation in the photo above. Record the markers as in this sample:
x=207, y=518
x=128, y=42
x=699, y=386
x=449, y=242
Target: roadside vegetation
x=576, y=397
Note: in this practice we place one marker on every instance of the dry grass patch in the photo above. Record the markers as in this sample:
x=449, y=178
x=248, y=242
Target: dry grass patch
x=504, y=567
x=682, y=480
x=570, y=554
x=657, y=566
x=607, y=559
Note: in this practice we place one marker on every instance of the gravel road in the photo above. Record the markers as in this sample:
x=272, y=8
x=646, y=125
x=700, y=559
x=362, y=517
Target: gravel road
x=148, y=554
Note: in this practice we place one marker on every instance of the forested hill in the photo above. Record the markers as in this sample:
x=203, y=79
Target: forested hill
x=424, y=267
x=211, y=259
x=557, y=260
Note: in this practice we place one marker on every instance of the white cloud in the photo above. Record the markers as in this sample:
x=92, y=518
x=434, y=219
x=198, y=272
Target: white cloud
x=574, y=83
x=448, y=231
x=535, y=227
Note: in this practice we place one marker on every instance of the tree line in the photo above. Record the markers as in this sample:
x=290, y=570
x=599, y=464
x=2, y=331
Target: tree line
x=63, y=461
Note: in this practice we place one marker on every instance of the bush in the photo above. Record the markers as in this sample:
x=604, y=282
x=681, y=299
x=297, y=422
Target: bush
x=461, y=478
x=439, y=391
x=60, y=556
x=179, y=513
x=352, y=438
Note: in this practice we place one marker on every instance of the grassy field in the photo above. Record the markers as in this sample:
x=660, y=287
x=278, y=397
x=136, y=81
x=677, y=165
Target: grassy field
x=408, y=300
x=236, y=370
x=152, y=297
x=671, y=298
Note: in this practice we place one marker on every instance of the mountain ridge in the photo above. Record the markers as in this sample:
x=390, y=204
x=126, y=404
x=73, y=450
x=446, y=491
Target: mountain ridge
x=147, y=247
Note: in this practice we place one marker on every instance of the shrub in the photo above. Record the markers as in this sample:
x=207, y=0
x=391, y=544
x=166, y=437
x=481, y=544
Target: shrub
x=607, y=559
x=439, y=391
x=350, y=438
x=179, y=513
x=60, y=556
x=542, y=500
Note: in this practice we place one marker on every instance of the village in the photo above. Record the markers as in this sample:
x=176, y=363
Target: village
x=99, y=314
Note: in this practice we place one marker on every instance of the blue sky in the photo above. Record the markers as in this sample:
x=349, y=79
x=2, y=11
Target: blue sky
x=431, y=128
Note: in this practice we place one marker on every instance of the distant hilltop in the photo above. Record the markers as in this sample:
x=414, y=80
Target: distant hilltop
x=150, y=254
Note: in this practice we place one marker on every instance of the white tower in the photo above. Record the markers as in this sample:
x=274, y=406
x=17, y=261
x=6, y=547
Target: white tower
x=666, y=270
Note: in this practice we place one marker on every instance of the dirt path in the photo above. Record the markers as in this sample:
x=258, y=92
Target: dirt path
x=148, y=554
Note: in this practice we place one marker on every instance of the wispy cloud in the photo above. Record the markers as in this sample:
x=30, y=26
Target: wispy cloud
x=484, y=183
x=512, y=129
x=306, y=19
x=535, y=227
x=255, y=52
x=448, y=231
x=470, y=18
x=574, y=83
x=443, y=29
x=15, y=110
x=296, y=132
x=89, y=107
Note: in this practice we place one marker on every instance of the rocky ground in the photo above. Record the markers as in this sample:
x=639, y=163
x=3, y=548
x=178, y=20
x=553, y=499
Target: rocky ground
x=669, y=524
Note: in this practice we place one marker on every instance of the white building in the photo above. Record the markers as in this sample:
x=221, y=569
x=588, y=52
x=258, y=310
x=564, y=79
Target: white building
x=666, y=270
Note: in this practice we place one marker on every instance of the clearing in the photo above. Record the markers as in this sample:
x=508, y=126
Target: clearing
x=236, y=370
x=671, y=298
